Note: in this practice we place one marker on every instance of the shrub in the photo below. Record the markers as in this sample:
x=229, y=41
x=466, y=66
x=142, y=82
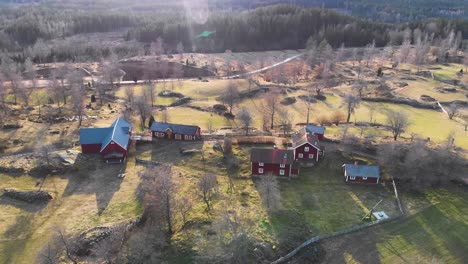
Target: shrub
x=322, y=120
x=337, y=117
x=288, y=101
x=220, y=107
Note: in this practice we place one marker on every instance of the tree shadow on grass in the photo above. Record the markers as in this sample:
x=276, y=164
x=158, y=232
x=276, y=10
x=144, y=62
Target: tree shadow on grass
x=437, y=233
x=14, y=239
x=103, y=182
x=29, y=207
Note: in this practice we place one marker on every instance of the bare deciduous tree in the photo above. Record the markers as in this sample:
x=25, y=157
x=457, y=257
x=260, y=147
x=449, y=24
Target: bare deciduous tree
x=78, y=93
x=207, y=187
x=245, y=118
x=285, y=121
x=110, y=69
x=165, y=116
x=151, y=91
x=230, y=96
x=183, y=206
x=129, y=94
x=452, y=110
x=271, y=104
x=360, y=85
x=269, y=190
x=143, y=108
x=61, y=91
x=350, y=103
x=398, y=122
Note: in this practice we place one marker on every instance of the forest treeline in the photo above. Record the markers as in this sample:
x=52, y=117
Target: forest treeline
x=379, y=10
x=43, y=32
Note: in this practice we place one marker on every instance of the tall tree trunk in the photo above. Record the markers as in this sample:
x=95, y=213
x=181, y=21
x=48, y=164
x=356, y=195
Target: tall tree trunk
x=168, y=214
x=349, y=116
x=272, y=117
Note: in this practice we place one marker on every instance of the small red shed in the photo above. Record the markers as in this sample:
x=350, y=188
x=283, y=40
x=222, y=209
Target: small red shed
x=319, y=131
x=361, y=173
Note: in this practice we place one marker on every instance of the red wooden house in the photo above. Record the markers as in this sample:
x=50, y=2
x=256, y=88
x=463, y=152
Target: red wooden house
x=306, y=147
x=361, y=173
x=112, y=142
x=278, y=162
x=175, y=131
x=319, y=131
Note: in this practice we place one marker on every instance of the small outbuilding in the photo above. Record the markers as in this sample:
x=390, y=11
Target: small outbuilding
x=175, y=131
x=112, y=142
x=319, y=131
x=361, y=173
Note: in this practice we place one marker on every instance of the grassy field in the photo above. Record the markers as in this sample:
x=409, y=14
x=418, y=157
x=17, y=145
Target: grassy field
x=434, y=235
x=318, y=202
x=81, y=201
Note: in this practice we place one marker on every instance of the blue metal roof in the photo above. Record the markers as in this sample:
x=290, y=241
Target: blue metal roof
x=362, y=171
x=93, y=135
x=118, y=132
x=315, y=129
x=175, y=128
x=119, y=135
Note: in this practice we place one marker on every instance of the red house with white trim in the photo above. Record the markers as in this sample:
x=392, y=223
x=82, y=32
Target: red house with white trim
x=112, y=142
x=361, y=173
x=175, y=131
x=306, y=147
x=278, y=162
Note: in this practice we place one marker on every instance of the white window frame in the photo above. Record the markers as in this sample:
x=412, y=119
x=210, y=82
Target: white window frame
x=300, y=155
x=306, y=149
x=364, y=178
x=281, y=172
x=282, y=165
x=260, y=170
x=352, y=177
x=311, y=156
x=178, y=136
x=260, y=164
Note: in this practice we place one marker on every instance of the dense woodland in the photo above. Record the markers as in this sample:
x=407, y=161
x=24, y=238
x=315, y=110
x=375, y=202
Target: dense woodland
x=43, y=33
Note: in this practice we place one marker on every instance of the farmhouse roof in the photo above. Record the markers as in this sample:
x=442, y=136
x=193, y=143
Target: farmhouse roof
x=117, y=132
x=175, y=128
x=93, y=135
x=301, y=137
x=120, y=134
x=362, y=170
x=315, y=129
x=272, y=156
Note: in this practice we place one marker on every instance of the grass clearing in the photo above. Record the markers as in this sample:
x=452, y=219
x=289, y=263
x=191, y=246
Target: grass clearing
x=317, y=202
x=435, y=234
x=81, y=201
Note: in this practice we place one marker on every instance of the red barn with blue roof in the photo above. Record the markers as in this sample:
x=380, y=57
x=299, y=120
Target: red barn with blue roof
x=112, y=142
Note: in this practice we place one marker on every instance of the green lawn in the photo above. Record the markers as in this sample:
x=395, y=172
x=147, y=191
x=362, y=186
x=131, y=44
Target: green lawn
x=436, y=233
